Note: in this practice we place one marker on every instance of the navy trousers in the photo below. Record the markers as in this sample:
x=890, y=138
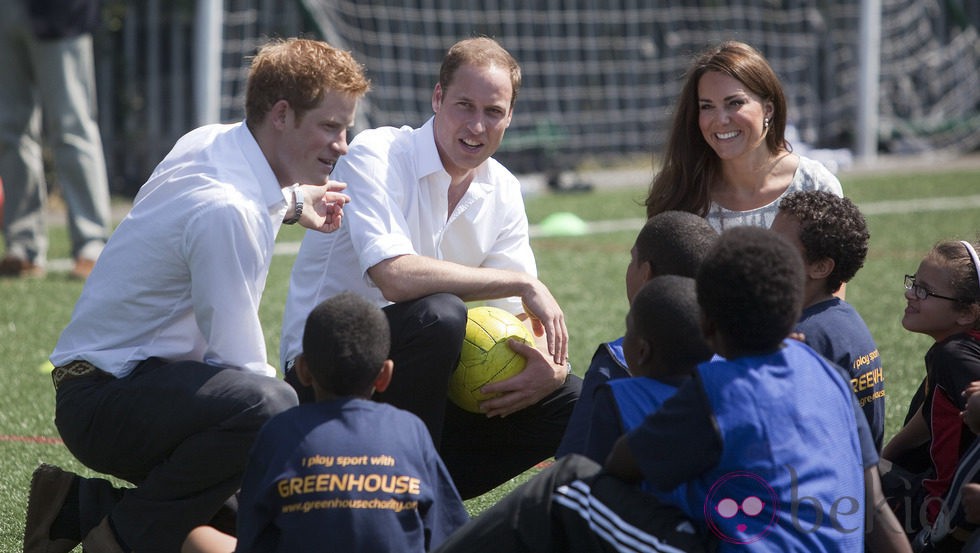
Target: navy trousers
x=180, y=432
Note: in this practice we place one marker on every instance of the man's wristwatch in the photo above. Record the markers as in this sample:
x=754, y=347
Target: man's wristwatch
x=298, y=209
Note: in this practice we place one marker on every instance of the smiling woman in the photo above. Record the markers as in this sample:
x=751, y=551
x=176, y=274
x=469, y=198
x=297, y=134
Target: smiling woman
x=727, y=158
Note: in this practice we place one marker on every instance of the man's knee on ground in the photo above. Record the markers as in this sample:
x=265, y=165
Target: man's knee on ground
x=273, y=397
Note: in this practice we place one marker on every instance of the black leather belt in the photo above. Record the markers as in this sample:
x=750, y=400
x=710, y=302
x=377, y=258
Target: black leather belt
x=75, y=369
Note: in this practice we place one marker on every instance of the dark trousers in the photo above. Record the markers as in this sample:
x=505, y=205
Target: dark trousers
x=181, y=432
x=573, y=507
x=481, y=453
x=426, y=338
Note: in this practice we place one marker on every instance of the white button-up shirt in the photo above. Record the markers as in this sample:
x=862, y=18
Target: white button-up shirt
x=399, y=206
x=182, y=276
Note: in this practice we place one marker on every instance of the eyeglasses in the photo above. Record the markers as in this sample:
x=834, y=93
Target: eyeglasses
x=920, y=292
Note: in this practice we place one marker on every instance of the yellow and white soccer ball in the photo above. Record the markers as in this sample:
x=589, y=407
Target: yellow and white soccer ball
x=486, y=357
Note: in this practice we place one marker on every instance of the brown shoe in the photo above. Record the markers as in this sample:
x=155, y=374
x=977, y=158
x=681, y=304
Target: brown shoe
x=49, y=488
x=102, y=539
x=15, y=267
x=82, y=269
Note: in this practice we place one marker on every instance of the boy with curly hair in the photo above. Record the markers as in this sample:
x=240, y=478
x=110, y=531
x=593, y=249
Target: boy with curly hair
x=832, y=236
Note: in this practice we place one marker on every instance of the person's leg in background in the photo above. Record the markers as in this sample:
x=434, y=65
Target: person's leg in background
x=68, y=100
x=21, y=162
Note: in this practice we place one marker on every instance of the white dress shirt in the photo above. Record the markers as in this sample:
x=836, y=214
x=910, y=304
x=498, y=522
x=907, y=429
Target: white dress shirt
x=399, y=205
x=182, y=276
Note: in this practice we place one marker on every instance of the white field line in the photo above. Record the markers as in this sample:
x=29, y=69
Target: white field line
x=886, y=207
x=891, y=207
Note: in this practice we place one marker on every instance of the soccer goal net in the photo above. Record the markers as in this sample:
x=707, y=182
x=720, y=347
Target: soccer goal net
x=601, y=78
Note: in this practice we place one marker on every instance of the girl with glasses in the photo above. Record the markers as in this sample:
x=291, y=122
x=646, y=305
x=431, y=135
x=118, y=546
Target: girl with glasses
x=943, y=302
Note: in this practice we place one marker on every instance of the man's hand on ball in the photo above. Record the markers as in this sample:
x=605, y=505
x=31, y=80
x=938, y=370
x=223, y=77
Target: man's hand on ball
x=540, y=377
x=547, y=319
x=324, y=206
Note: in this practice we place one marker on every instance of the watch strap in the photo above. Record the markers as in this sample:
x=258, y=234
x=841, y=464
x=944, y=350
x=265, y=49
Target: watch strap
x=298, y=206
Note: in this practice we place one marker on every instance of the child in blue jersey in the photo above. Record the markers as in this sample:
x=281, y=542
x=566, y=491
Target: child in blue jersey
x=787, y=449
x=832, y=236
x=344, y=473
x=670, y=243
x=943, y=302
x=662, y=346
x=552, y=512
x=765, y=438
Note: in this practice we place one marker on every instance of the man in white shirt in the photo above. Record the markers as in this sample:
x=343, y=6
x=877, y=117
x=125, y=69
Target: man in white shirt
x=161, y=375
x=434, y=221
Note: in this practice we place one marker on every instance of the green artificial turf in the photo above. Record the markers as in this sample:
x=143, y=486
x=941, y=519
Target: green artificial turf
x=585, y=273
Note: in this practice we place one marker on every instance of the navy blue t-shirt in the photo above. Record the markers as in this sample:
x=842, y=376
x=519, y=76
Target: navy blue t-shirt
x=346, y=475
x=834, y=329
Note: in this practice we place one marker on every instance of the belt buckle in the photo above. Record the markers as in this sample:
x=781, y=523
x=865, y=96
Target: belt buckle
x=71, y=370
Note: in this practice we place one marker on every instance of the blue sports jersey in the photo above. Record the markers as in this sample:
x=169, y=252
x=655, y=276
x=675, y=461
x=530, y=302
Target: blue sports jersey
x=768, y=448
x=834, y=329
x=620, y=405
x=607, y=364
x=631, y=401
x=349, y=475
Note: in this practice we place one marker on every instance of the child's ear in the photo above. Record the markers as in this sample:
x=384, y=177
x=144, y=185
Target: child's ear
x=384, y=376
x=303, y=371
x=646, y=271
x=969, y=316
x=820, y=269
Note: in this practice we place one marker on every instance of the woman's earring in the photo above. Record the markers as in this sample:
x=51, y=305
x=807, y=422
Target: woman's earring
x=765, y=123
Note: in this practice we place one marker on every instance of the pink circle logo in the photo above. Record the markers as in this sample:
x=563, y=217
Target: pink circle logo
x=741, y=508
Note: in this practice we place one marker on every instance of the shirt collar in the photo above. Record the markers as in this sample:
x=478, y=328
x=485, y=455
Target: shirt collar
x=428, y=160
x=266, y=178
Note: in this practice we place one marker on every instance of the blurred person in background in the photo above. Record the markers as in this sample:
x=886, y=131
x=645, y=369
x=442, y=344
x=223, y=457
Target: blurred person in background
x=49, y=81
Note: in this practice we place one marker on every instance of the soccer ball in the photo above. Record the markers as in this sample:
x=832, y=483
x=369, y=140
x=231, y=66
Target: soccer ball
x=486, y=357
